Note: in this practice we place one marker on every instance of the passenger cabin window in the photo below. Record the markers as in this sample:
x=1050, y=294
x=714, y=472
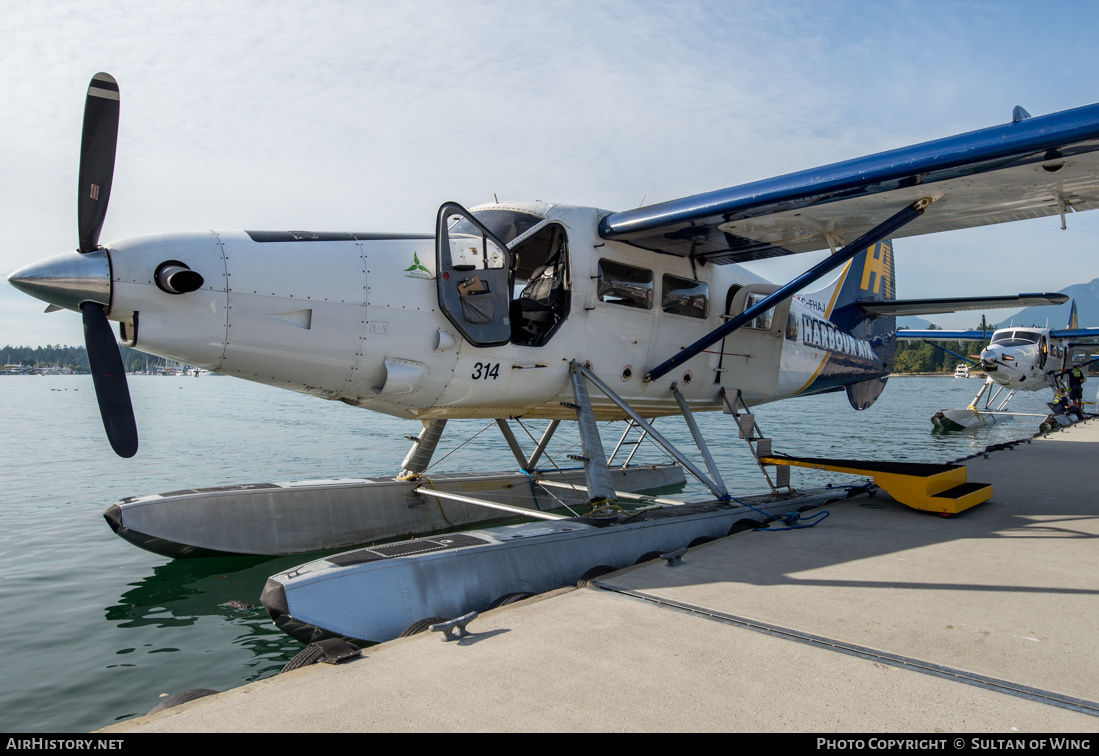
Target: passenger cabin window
x=791, y=327
x=682, y=296
x=625, y=285
x=764, y=321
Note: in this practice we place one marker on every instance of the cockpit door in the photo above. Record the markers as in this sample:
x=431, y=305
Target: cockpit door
x=473, y=275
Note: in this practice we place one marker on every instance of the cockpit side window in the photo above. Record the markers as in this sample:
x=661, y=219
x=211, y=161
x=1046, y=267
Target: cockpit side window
x=764, y=320
x=471, y=248
x=507, y=224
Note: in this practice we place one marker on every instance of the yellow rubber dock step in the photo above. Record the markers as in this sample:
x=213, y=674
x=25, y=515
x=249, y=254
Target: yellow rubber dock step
x=932, y=488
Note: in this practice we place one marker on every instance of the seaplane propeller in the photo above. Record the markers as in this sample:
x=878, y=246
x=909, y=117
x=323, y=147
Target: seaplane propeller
x=989, y=365
x=81, y=281
x=97, y=154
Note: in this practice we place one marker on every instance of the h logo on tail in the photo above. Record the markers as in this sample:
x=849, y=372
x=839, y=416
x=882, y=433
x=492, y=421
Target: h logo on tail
x=879, y=263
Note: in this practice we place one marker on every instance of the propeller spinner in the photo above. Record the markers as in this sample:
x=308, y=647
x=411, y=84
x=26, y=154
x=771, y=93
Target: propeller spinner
x=82, y=281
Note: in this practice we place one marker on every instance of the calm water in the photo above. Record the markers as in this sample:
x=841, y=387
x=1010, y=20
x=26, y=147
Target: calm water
x=95, y=630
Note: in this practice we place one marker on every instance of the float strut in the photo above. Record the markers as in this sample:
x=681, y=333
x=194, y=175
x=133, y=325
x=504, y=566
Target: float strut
x=668, y=446
x=423, y=447
x=596, y=473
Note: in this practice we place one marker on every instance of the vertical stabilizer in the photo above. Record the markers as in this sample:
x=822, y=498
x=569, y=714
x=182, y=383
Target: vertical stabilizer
x=870, y=277
x=1073, y=320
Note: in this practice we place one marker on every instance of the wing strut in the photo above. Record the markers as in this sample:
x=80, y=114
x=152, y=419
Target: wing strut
x=871, y=237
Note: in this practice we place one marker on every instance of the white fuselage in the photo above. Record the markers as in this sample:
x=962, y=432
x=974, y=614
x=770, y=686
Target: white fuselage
x=1023, y=358
x=358, y=320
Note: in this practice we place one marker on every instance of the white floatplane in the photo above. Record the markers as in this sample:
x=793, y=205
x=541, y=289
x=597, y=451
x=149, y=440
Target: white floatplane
x=515, y=309
x=1018, y=359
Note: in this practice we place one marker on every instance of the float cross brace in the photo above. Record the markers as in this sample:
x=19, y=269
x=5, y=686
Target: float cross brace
x=579, y=373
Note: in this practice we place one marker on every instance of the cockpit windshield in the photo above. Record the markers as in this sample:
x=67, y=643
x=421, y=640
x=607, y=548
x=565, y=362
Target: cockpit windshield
x=1016, y=338
x=507, y=224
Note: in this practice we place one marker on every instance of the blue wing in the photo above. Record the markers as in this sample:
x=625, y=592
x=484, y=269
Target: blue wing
x=912, y=333
x=1075, y=333
x=1029, y=168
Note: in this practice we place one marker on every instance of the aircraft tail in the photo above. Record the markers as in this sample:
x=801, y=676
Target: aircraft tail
x=1073, y=320
x=870, y=277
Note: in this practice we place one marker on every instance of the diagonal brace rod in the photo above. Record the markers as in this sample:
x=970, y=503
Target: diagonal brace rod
x=700, y=441
x=546, y=436
x=513, y=443
x=871, y=237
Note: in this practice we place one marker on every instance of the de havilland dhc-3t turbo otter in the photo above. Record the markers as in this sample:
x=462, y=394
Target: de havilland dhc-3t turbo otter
x=513, y=310
x=1021, y=358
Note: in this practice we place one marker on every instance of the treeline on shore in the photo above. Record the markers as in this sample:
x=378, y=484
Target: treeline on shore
x=921, y=357
x=74, y=358
x=912, y=357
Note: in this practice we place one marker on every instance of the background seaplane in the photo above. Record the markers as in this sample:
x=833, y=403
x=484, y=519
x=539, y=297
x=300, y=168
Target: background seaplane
x=1016, y=358
x=511, y=310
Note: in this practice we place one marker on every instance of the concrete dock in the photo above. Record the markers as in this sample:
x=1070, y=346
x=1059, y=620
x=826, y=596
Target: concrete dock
x=880, y=619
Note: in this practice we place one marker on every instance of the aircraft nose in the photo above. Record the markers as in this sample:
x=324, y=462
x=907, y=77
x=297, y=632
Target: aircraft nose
x=990, y=358
x=67, y=280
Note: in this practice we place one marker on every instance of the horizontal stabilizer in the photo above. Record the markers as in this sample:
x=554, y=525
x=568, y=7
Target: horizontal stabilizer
x=936, y=306
x=1029, y=168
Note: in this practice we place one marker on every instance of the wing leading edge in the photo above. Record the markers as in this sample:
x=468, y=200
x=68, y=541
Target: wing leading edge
x=911, y=334
x=1030, y=168
x=936, y=306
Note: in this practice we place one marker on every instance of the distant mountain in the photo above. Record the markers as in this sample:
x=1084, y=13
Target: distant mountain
x=911, y=321
x=1087, y=308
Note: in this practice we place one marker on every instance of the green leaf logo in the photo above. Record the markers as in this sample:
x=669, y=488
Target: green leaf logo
x=416, y=265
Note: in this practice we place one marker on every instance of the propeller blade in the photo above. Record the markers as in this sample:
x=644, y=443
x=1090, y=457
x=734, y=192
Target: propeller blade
x=97, y=151
x=109, y=377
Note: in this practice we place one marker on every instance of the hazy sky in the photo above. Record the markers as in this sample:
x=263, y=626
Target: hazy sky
x=366, y=116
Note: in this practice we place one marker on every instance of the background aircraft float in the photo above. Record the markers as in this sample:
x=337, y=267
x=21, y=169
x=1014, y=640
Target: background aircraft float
x=511, y=310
